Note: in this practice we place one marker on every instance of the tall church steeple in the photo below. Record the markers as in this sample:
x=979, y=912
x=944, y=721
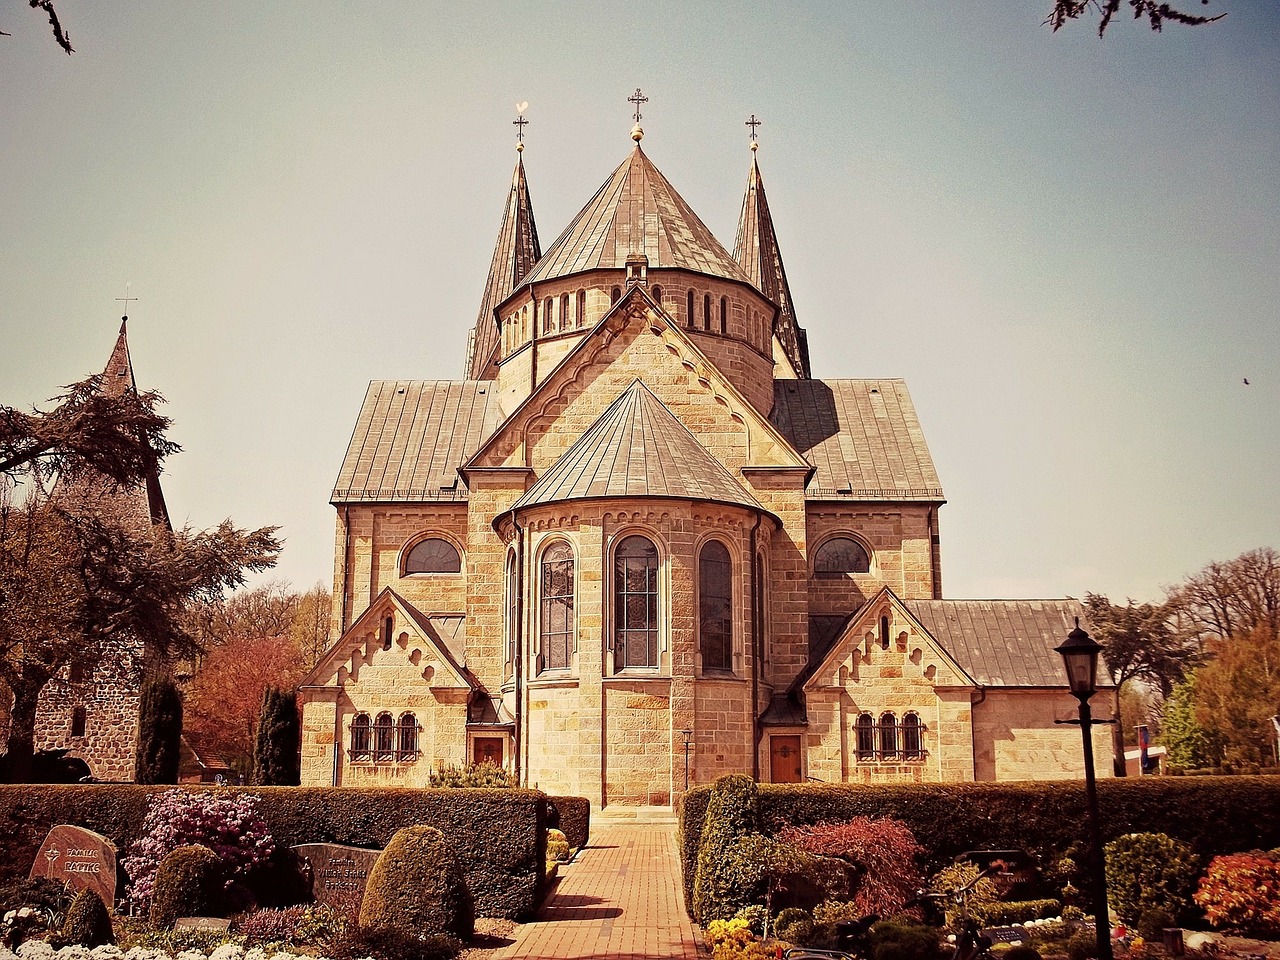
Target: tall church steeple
x=514, y=255
x=756, y=250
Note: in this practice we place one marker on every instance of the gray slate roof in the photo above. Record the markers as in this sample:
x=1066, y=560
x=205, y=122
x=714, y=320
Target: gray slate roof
x=862, y=437
x=636, y=211
x=637, y=448
x=411, y=437
x=1003, y=643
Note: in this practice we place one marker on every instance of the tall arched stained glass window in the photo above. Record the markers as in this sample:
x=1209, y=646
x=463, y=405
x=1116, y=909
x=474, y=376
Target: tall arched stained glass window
x=407, y=738
x=865, y=737
x=360, y=742
x=715, y=607
x=888, y=737
x=635, y=610
x=556, y=620
x=383, y=739
x=912, y=737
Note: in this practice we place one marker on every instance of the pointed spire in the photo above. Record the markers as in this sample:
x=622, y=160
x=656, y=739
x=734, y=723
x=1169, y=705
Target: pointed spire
x=117, y=378
x=756, y=251
x=514, y=255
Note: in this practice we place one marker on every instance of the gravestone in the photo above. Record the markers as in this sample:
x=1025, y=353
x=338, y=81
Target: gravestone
x=80, y=858
x=338, y=873
x=201, y=924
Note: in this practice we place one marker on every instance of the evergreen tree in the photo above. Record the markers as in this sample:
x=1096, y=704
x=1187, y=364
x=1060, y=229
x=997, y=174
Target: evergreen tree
x=275, y=756
x=1190, y=746
x=159, y=730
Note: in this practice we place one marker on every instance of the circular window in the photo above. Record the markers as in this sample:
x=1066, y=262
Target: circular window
x=839, y=557
x=433, y=555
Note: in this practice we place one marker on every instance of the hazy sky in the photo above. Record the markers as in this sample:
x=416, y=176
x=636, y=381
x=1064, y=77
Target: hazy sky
x=1069, y=247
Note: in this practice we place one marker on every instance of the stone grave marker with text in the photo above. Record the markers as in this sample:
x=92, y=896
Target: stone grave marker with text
x=80, y=858
x=337, y=872
x=202, y=924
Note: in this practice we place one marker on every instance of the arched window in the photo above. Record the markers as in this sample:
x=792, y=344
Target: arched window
x=635, y=593
x=547, y=325
x=715, y=601
x=564, y=312
x=615, y=295
x=524, y=326
x=724, y=314
x=383, y=738
x=912, y=737
x=884, y=633
x=888, y=737
x=360, y=737
x=762, y=606
x=840, y=556
x=706, y=311
x=407, y=738
x=865, y=737
x=582, y=308
x=433, y=555
x=556, y=621
x=387, y=626
x=513, y=607
x=657, y=295
x=689, y=310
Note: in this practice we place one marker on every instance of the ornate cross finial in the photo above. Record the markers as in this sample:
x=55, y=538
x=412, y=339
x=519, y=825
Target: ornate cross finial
x=753, y=123
x=519, y=123
x=126, y=298
x=637, y=98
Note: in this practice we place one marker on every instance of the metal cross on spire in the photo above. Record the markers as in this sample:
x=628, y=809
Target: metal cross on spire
x=519, y=123
x=753, y=123
x=637, y=98
x=127, y=299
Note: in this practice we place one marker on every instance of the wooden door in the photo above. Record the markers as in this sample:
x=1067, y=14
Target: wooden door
x=487, y=750
x=784, y=760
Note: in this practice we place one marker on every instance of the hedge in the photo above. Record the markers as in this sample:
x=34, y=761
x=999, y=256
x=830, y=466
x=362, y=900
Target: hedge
x=572, y=817
x=498, y=836
x=1214, y=815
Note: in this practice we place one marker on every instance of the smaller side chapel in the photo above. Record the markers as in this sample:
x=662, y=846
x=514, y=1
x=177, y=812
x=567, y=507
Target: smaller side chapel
x=641, y=546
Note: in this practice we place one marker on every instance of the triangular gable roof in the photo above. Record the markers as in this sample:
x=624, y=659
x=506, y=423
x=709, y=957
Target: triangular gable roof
x=354, y=650
x=851, y=637
x=756, y=251
x=637, y=448
x=514, y=255
x=636, y=210
x=634, y=304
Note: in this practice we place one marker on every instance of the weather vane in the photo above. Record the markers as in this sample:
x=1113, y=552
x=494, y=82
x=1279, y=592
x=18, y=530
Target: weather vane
x=126, y=298
x=753, y=123
x=520, y=122
x=637, y=98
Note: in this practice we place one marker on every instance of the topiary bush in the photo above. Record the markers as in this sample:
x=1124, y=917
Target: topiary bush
x=732, y=814
x=88, y=922
x=904, y=941
x=416, y=887
x=190, y=882
x=275, y=753
x=883, y=851
x=159, y=732
x=1153, y=922
x=385, y=943
x=572, y=816
x=794, y=926
x=1242, y=892
x=1081, y=946
x=1146, y=870
x=1000, y=914
x=557, y=847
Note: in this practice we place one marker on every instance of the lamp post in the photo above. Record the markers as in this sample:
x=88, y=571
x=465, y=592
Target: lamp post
x=1080, y=656
x=688, y=739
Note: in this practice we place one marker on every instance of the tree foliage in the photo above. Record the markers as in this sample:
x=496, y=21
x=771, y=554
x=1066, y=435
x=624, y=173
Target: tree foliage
x=1237, y=694
x=1189, y=745
x=1155, y=12
x=159, y=732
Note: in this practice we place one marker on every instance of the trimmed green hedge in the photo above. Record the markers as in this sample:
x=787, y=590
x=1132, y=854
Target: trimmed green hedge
x=498, y=836
x=1213, y=814
x=572, y=817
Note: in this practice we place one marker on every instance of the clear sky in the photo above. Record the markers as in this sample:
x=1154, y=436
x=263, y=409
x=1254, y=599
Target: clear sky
x=1069, y=247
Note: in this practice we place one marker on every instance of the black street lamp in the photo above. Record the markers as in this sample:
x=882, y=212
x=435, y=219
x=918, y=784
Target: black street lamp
x=688, y=740
x=1080, y=655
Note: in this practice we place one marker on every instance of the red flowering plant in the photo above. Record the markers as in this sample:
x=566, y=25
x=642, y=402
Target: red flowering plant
x=228, y=824
x=885, y=851
x=1241, y=891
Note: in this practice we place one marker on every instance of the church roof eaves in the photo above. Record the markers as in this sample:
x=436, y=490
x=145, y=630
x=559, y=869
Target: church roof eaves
x=410, y=438
x=862, y=437
x=637, y=448
x=636, y=210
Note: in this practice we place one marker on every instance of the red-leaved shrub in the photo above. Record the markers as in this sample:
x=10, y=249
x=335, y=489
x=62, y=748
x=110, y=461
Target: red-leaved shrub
x=884, y=850
x=1241, y=891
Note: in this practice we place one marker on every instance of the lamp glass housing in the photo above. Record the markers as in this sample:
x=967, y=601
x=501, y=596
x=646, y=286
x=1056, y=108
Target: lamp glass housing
x=1080, y=657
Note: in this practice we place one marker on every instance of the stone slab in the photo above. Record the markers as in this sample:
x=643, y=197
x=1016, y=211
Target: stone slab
x=202, y=924
x=80, y=858
x=336, y=871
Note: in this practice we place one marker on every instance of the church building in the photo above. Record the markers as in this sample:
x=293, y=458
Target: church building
x=640, y=545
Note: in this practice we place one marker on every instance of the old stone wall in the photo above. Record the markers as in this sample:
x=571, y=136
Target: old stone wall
x=1015, y=737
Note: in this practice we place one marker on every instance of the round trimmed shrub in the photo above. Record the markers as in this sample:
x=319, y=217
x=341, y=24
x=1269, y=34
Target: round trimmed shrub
x=191, y=882
x=416, y=887
x=904, y=941
x=88, y=922
x=794, y=926
x=557, y=847
x=732, y=814
x=1153, y=922
x=1146, y=870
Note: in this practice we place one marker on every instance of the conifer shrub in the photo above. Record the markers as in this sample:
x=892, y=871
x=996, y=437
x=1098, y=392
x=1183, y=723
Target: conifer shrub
x=190, y=882
x=159, y=731
x=88, y=921
x=275, y=753
x=732, y=814
x=1146, y=870
x=883, y=852
x=416, y=887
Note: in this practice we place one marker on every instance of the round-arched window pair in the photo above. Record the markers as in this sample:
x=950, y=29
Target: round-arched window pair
x=433, y=555
x=839, y=557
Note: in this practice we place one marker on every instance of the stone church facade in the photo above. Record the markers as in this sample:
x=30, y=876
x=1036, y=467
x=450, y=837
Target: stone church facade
x=641, y=546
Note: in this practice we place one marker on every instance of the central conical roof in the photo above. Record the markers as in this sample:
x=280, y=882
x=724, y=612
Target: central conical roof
x=636, y=211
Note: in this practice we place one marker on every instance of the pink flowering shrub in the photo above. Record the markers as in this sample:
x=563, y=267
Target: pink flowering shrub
x=228, y=824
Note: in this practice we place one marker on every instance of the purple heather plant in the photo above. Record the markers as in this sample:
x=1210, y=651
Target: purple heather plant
x=228, y=824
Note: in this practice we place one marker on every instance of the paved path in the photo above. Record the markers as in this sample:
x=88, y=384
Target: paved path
x=620, y=899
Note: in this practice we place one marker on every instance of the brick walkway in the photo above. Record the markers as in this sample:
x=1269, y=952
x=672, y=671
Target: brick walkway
x=620, y=899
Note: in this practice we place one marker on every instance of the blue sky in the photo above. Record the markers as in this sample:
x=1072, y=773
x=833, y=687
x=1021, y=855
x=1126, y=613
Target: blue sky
x=1069, y=247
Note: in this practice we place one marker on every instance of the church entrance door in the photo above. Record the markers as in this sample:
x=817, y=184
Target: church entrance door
x=487, y=750
x=784, y=760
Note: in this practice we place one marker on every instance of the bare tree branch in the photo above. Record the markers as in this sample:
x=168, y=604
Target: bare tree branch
x=1154, y=12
